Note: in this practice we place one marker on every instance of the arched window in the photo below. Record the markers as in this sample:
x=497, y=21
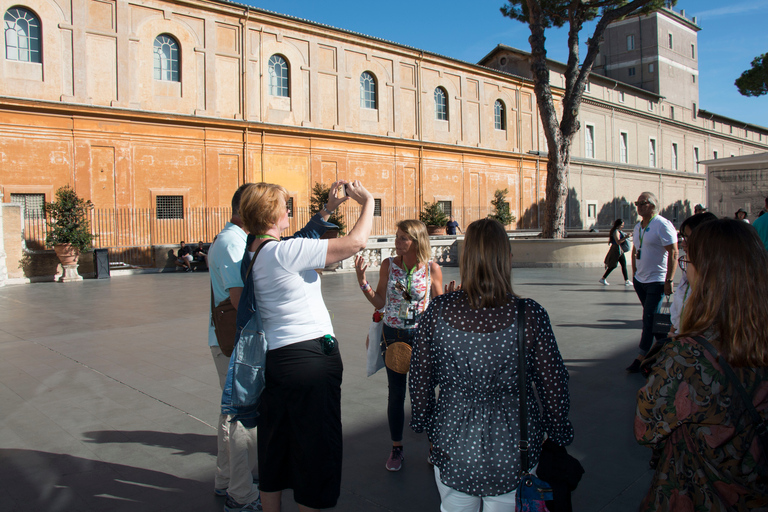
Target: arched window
x=22, y=36
x=166, y=58
x=499, y=115
x=441, y=104
x=367, y=90
x=278, y=76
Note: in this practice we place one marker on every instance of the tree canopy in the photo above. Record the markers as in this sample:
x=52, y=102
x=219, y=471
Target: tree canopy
x=540, y=15
x=754, y=81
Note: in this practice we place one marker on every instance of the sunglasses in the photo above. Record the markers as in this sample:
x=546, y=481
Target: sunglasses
x=642, y=203
x=401, y=288
x=683, y=263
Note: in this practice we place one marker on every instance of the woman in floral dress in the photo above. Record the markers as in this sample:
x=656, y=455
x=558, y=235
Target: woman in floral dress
x=406, y=283
x=706, y=451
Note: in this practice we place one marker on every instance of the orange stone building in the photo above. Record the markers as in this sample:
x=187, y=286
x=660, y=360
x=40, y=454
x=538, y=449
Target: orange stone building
x=168, y=105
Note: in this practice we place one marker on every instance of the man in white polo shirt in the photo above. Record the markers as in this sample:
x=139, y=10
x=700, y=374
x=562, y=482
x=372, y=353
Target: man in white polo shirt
x=654, y=260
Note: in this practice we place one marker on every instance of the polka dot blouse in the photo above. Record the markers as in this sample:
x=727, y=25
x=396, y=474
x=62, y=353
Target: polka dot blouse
x=474, y=423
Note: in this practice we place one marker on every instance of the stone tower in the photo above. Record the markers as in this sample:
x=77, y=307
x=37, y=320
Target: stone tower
x=658, y=53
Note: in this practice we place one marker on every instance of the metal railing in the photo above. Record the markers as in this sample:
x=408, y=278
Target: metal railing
x=131, y=234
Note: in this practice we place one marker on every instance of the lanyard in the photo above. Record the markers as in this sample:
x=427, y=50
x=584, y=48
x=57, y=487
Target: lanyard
x=409, y=276
x=685, y=297
x=642, y=231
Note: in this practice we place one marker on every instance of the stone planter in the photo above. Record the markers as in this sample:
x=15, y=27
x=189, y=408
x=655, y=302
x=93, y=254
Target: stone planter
x=68, y=256
x=436, y=230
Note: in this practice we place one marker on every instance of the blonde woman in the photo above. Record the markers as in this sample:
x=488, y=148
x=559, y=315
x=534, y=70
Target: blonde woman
x=406, y=283
x=299, y=438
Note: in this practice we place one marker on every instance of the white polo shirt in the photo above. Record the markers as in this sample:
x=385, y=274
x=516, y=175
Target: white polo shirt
x=651, y=257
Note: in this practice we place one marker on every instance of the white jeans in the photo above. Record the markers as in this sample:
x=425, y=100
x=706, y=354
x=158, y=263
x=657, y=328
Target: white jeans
x=457, y=501
x=236, y=448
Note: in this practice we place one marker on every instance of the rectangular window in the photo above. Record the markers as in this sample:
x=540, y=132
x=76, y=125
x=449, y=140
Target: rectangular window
x=693, y=51
x=631, y=71
x=674, y=156
x=588, y=87
x=696, y=158
x=652, y=153
x=589, y=143
x=32, y=204
x=650, y=106
x=169, y=207
x=446, y=206
x=714, y=155
x=591, y=210
x=670, y=40
x=377, y=207
x=623, y=147
x=731, y=127
x=693, y=77
x=621, y=96
x=650, y=68
x=630, y=42
x=695, y=111
x=289, y=206
x=671, y=112
x=675, y=214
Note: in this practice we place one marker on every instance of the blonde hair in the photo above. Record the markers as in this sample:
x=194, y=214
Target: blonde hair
x=417, y=231
x=260, y=206
x=486, y=264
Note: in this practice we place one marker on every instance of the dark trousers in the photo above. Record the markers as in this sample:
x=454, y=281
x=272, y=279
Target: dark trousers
x=397, y=384
x=623, y=262
x=650, y=295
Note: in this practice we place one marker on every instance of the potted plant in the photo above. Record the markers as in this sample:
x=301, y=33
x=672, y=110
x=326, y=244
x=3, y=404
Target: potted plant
x=69, y=232
x=434, y=217
x=501, y=208
x=316, y=202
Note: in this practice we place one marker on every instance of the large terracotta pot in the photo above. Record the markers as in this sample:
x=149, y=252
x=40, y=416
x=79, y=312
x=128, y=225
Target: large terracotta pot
x=436, y=230
x=68, y=255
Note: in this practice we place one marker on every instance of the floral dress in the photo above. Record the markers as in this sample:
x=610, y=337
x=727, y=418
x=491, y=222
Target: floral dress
x=401, y=297
x=709, y=457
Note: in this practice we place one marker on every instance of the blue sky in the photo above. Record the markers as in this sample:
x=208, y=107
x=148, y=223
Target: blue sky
x=733, y=33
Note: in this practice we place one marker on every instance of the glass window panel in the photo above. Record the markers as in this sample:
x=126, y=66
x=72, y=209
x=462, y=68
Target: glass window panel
x=22, y=35
x=367, y=91
x=441, y=105
x=278, y=76
x=166, y=59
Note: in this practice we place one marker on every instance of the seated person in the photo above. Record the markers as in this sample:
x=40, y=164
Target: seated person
x=199, y=255
x=184, y=258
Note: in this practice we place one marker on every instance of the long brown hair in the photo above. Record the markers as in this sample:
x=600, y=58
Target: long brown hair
x=486, y=264
x=729, y=293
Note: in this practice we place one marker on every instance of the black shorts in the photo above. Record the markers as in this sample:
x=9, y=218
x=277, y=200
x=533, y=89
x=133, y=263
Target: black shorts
x=299, y=436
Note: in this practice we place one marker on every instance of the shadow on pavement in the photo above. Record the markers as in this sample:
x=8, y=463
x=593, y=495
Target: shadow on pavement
x=186, y=444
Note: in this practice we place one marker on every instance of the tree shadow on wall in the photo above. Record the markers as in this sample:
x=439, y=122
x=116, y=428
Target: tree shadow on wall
x=530, y=217
x=677, y=212
x=618, y=208
x=573, y=218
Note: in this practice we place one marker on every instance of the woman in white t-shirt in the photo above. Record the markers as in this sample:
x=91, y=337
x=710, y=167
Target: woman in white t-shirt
x=299, y=437
x=406, y=283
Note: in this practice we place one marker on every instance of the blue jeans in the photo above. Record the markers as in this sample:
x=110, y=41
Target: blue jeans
x=650, y=295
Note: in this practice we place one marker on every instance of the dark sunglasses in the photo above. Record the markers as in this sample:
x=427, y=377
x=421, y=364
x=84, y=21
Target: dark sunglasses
x=683, y=263
x=401, y=288
x=642, y=203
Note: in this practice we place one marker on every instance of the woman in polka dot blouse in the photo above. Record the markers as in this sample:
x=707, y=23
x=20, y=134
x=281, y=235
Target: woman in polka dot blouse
x=466, y=345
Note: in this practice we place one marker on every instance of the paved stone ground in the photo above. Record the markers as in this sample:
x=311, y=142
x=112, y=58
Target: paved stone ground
x=108, y=396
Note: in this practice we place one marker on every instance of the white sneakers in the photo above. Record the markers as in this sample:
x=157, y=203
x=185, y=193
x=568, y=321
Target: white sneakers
x=603, y=281
x=627, y=283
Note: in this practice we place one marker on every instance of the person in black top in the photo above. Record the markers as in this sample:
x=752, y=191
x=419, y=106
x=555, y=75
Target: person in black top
x=198, y=253
x=184, y=258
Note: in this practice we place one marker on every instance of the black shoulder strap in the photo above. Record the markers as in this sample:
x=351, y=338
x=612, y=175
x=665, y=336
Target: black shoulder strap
x=761, y=426
x=523, y=388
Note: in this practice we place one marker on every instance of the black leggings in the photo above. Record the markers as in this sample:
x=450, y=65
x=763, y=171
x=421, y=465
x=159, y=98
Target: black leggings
x=397, y=385
x=623, y=261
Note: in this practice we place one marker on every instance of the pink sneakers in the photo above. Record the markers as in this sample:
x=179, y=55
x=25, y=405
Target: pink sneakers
x=395, y=460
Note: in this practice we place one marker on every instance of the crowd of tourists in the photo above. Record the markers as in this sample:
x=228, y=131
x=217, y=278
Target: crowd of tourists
x=481, y=365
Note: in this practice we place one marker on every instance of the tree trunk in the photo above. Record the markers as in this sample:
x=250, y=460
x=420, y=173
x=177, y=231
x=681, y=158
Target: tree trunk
x=557, y=191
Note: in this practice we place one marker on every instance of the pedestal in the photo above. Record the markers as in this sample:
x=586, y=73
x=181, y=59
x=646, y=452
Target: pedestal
x=69, y=274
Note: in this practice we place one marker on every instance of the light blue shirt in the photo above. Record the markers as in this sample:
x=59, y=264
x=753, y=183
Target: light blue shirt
x=224, y=259
x=761, y=225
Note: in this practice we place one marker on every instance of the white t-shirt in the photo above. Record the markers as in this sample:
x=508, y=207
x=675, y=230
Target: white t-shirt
x=288, y=291
x=651, y=257
x=224, y=258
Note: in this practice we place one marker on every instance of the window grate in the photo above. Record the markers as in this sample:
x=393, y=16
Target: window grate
x=289, y=207
x=170, y=207
x=445, y=206
x=377, y=207
x=32, y=203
